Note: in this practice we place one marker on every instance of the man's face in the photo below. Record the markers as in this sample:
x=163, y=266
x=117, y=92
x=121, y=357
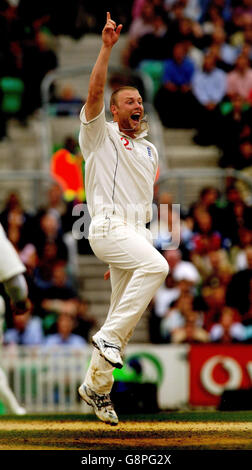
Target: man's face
x=179, y=53
x=128, y=111
x=209, y=63
x=242, y=63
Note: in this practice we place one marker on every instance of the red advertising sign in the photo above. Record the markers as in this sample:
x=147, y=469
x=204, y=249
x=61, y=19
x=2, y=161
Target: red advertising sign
x=215, y=368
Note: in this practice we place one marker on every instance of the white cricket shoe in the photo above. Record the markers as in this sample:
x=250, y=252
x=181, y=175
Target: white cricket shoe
x=110, y=351
x=102, y=405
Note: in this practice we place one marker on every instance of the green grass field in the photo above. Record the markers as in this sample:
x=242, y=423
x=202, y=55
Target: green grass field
x=184, y=430
x=194, y=416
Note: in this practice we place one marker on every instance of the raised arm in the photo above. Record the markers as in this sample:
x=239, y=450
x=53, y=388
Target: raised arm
x=98, y=77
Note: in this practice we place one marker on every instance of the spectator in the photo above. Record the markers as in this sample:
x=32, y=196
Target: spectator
x=182, y=270
x=212, y=18
x=186, y=226
x=144, y=23
x=55, y=202
x=244, y=154
x=84, y=320
x=153, y=45
x=225, y=274
x=240, y=283
x=209, y=88
x=17, y=223
x=231, y=217
x=246, y=39
x=75, y=307
x=207, y=200
x=228, y=329
x=140, y=26
x=174, y=101
x=166, y=227
x=65, y=335
x=137, y=8
x=192, y=10
x=183, y=277
x=242, y=217
x=242, y=14
x=30, y=259
x=43, y=271
x=247, y=317
x=175, y=316
x=225, y=53
x=15, y=227
x=233, y=124
x=165, y=296
x=175, y=9
x=62, y=211
x=205, y=238
x=39, y=58
x=60, y=285
x=27, y=44
x=238, y=250
x=67, y=101
x=214, y=297
x=212, y=265
x=183, y=30
x=239, y=81
x=27, y=330
x=49, y=231
x=194, y=52
x=52, y=308
x=191, y=332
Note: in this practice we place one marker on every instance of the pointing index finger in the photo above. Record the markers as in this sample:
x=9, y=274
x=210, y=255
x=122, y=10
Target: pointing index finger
x=108, y=15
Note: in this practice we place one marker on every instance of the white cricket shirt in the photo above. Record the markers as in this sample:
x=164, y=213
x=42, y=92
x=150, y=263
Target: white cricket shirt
x=119, y=171
x=10, y=263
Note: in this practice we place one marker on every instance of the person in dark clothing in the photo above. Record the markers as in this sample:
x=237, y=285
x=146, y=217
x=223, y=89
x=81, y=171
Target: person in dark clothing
x=233, y=125
x=38, y=59
x=154, y=45
x=18, y=223
x=174, y=100
x=49, y=234
x=238, y=290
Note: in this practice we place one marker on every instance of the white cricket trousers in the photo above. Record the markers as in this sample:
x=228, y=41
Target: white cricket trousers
x=137, y=270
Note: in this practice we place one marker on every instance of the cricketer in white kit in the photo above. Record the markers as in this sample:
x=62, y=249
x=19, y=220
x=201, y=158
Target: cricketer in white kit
x=120, y=170
x=11, y=275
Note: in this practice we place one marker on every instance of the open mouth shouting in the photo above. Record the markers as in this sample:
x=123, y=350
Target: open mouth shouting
x=136, y=117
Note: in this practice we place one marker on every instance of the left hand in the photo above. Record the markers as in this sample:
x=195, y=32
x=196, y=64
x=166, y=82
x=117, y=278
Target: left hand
x=111, y=32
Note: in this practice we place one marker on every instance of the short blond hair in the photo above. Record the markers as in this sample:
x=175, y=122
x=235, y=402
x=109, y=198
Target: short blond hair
x=113, y=99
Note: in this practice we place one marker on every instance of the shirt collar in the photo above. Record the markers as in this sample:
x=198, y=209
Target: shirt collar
x=143, y=132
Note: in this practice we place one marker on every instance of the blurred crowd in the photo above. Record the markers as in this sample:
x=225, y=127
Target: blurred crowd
x=27, y=53
x=198, y=55
x=29, y=49
x=207, y=296
x=58, y=314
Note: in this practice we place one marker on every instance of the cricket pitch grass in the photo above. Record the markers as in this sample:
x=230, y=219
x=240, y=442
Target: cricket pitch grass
x=197, y=430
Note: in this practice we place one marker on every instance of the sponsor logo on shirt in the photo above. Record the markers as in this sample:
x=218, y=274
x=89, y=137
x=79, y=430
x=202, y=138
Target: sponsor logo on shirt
x=149, y=153
x=126, y=143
